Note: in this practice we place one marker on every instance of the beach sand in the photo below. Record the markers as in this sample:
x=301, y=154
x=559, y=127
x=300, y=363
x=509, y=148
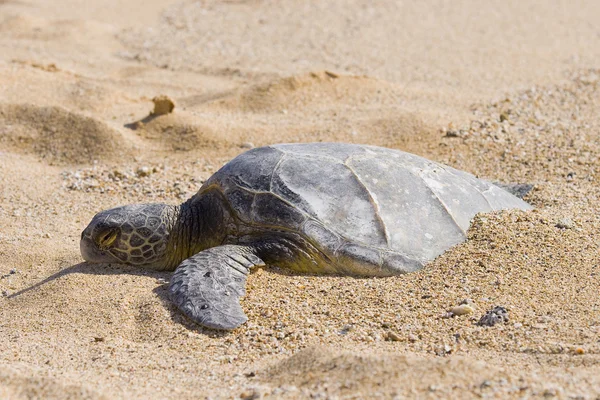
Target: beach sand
x=507, y=91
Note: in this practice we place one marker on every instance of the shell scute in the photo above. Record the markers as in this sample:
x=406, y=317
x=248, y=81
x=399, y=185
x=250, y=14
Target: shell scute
x=252, y=170
x=417, y=221
x=321, y=235
x=334, y=196
x=337, y=151
x=240, y=200
x=268, y=209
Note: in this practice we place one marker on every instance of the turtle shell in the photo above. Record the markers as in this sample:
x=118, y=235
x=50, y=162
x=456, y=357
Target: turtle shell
x=358, y=204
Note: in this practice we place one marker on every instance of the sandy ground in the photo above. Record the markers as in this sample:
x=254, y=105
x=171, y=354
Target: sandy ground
x=507, y=91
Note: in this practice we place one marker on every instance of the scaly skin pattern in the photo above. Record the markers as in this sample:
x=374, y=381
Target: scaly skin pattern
x=201, y=223
x=207, y=286
x=135, y=235
x=156, y=236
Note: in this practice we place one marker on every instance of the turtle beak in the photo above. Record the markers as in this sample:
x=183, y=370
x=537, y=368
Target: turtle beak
x=87, y=247
x=89, y=251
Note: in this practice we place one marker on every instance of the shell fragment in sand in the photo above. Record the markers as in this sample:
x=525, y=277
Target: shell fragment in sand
x=163, y=105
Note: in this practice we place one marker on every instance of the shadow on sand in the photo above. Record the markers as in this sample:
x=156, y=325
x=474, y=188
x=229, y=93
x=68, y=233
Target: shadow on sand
x=141, y=122
x=95, y=269
x=160, y=291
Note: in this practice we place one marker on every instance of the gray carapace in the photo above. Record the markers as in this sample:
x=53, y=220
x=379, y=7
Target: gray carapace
x=329, y=208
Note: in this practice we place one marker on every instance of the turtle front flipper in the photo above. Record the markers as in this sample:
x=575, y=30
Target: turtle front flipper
x=207, y=287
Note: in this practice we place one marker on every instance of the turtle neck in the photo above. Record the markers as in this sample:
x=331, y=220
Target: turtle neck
x=197, y=225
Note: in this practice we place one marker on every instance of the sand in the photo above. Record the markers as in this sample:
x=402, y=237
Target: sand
x=509, y=92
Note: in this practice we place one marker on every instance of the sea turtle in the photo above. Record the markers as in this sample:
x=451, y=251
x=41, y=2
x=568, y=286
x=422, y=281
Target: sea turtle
x=329, y=208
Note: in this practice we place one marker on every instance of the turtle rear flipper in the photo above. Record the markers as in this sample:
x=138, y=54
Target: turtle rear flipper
x=207, y=286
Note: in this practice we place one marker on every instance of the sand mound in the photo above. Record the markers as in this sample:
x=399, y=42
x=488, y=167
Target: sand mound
x=312, y=90
x=177, y=131
x=324, y=369
x=58, y=136
x=47, y=84
x=18, y=382
x=319, y=106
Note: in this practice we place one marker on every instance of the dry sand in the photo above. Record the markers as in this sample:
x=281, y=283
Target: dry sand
x=507, y=91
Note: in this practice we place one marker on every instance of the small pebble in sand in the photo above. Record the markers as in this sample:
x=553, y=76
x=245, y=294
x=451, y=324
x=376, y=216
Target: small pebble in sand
x=393, y=336
x=579, y=350
x=565, y=223
x=463, y=309
x=251, y=394
x=485, y=384
x=492, y=317
x=162, y=105
x=46, y=235
x=345, y=329
x=143, y=171
x=570, y=176
x=451, y=133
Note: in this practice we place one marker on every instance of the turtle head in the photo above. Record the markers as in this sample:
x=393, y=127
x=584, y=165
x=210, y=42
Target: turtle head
x=136, y=234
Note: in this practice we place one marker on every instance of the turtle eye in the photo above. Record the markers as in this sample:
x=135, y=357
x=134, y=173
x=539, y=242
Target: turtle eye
x=107, y=238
